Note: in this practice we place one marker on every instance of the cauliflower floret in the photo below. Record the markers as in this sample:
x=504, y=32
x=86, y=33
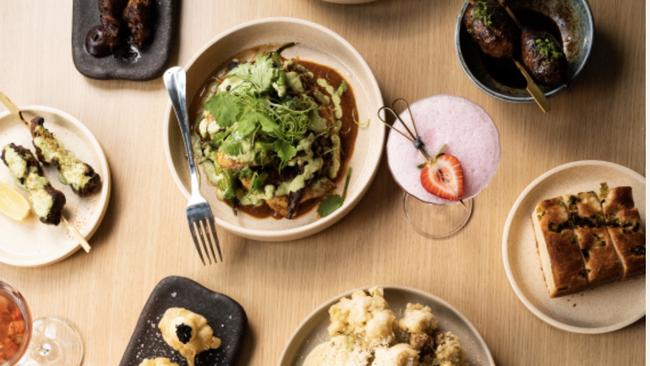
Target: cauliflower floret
x=418, y=319
x=448, y=351
x=398, y=355
x=338, y=351
x=365, y=315
x=417, y=326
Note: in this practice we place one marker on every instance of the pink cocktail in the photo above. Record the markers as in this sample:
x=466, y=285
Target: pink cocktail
x=468, y=134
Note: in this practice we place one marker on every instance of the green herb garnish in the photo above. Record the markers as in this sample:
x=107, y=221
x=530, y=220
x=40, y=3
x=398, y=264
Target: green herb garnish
x=482, y=12
x=548, y=48
x=266, y=131
x=333, y=202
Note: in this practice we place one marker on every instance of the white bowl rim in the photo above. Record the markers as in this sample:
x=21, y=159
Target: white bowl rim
x=350, y=202
x=506, y=258
x=421, y=293
x=105, y=194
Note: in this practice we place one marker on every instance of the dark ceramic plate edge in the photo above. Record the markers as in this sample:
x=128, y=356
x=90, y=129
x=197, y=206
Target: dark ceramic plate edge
x=131, y=352
x=154, y=57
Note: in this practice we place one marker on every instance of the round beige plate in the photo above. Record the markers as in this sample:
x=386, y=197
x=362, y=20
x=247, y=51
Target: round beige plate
x=313, y=330
x=599, y=310
x=31, y=243
x=314, y=43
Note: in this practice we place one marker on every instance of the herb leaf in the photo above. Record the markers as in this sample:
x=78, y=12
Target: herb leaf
x=224, y=108
x=329, y=204
x=333, y=202
x=284, y=150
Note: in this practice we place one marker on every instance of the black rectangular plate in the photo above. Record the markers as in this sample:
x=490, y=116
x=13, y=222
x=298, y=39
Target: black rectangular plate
x=226, y=317
x=85, y=15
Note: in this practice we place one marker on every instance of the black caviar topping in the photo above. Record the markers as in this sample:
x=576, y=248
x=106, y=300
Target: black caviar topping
x=184, y=333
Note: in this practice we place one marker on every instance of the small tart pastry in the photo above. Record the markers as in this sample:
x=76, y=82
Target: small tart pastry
x=159, y=361
x=187, y=332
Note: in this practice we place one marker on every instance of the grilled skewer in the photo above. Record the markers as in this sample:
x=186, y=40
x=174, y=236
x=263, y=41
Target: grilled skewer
x=105, y=38
x=47, y=202
x=138, y=16
x=80, y=176
x=56, y=198
x=543, y=56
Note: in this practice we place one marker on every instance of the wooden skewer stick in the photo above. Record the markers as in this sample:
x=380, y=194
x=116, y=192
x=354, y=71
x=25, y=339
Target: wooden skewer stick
x=13, y=109
x=76, y=234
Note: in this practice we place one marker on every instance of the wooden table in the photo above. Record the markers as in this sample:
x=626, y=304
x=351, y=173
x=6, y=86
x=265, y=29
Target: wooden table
x=409, y=44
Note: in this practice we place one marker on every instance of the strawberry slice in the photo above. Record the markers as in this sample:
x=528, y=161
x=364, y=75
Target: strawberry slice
x=443, y=177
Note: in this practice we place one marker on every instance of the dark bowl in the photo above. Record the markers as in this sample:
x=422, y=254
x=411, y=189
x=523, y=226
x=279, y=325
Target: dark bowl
x=572, y=21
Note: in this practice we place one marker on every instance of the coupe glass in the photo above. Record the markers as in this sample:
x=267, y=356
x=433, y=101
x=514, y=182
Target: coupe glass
x=440, y=124
x=47, y=341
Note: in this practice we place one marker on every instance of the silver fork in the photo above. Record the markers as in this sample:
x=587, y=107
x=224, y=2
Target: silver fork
x=199, y=214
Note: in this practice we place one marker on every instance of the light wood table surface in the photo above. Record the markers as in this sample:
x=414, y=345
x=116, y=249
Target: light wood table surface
x=409, y=45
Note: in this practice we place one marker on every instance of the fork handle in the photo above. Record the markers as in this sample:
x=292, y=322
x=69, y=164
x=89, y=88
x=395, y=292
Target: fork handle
x=174, y=79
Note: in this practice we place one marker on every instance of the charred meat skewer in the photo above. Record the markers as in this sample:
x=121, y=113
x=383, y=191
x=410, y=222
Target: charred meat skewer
x=80, y=176
x=103, y=39
x=47, y=202
x=543, y=56
x=138, y=16
x=492, y=28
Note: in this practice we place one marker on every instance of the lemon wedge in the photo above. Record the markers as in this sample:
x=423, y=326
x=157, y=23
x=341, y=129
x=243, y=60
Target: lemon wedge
x=12, y=203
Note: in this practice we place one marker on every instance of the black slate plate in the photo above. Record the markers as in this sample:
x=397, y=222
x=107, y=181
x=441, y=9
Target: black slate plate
x=152, y=60
x=226, y=317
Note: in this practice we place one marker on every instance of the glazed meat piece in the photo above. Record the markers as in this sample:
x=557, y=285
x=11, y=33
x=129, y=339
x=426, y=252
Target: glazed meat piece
x=138, y=15
x=104, y=39
x=80, y=176
x=543, y=56
x=492, y=28
x=46, y=201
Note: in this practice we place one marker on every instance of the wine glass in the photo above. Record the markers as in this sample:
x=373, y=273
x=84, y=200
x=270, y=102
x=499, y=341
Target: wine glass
x=441, y=124
x=47, y=341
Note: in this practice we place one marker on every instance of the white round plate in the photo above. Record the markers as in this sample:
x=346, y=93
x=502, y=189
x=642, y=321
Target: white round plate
x=598, y=310
x=313, y=330
x=31, y=243
x=315, y=43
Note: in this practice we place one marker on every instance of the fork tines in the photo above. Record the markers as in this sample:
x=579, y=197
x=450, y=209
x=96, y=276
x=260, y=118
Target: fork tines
x=204, y=234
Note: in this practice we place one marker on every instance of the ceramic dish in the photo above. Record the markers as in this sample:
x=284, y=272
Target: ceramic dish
x=31, y=243
x=226, y=317
x=575, y=23
x=314, y=329
x=147, y=64
x=599, y=310
x=315, y=43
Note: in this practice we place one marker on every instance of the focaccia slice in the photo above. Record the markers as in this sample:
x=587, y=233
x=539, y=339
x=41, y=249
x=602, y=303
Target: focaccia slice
x=601, y=260
x=615, y=200
x=629, y=241
x=559, y=253
x=585, y=209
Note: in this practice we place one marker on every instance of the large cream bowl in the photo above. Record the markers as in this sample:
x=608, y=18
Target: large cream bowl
x=315, y=43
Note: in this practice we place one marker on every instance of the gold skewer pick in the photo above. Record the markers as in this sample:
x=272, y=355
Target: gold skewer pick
x=13, y=109
x=533, y=89
x=531, y=86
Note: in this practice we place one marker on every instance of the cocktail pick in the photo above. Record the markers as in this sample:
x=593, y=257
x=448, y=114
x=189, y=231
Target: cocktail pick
x=13, y=109
x=411, y=135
